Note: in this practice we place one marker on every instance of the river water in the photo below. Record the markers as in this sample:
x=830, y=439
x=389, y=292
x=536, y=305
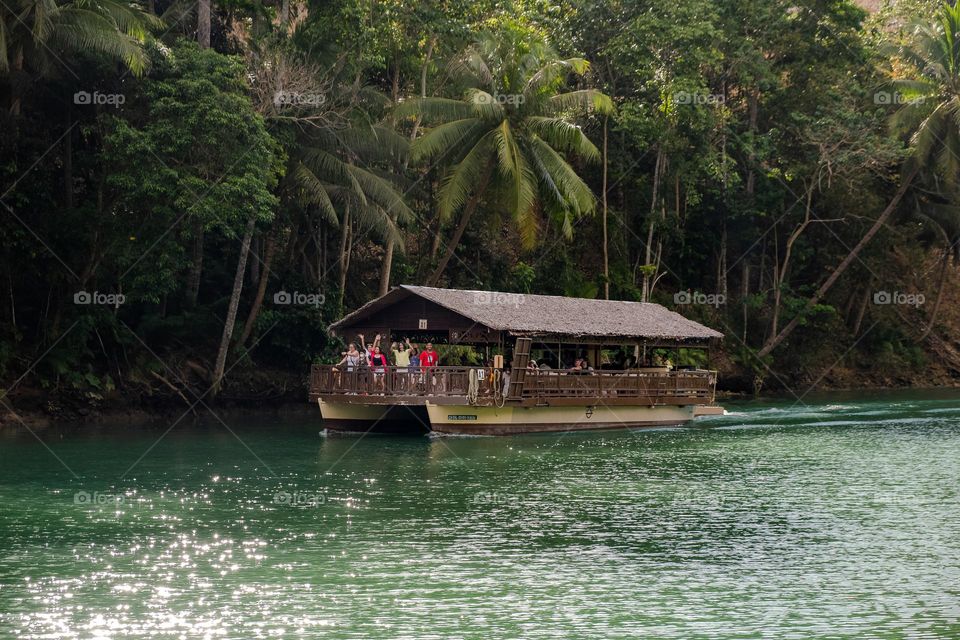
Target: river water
x=832, y=517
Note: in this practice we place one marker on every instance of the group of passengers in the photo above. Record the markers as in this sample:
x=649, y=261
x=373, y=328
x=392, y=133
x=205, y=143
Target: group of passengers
x=403, y=355
x=580, y=365
x=406, y=357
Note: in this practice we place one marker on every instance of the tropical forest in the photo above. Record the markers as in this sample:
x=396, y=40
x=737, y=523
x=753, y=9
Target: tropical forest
x=192, y=192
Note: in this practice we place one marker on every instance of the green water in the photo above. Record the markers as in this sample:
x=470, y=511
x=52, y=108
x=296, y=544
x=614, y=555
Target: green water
x=835, y=518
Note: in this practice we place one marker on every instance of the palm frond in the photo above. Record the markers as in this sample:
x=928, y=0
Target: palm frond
x=576, y=193
x=564, y=136
x=382, y=193
x=447, y=138
x=553, y=72
x=311, y=190
x=434, y=109
x=464, y=178
x=584, y=100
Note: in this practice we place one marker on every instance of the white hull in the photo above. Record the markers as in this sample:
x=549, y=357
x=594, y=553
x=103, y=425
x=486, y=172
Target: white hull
x=467, y=419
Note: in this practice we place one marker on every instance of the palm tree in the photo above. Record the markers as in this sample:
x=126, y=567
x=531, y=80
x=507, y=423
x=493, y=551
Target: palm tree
x=508, y=138
x=35, y=33
x=333, y=167
x=928, y=115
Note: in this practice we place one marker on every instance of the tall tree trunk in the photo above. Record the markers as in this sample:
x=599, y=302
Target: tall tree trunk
x=232, y=308
x=196, y=265
x=269, y=250
x=775, y=340
x=606, y=247
x=944, y=264
x=862, y=310
x=385, y=268
x=284, y=14
x=780, y=272
x=256, y=248
x=386, y=264
x=722, y=263
x=203, y=23
x=464, y=220
x=344, y=253
x=648, y=250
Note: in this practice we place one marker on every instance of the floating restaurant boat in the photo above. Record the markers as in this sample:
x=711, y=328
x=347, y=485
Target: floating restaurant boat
x=496, y=398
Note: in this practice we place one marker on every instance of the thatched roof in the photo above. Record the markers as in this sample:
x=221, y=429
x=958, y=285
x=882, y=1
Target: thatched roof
x=536, y=315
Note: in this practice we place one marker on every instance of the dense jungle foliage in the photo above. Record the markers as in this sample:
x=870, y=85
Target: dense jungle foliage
x=190, y=192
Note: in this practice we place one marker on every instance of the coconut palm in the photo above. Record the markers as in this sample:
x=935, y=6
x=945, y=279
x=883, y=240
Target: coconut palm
x=927, y=95
x=35, y=33
x=509, y=137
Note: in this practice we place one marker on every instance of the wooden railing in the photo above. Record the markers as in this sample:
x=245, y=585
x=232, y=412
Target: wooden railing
x=539, y=386
x=395, y=381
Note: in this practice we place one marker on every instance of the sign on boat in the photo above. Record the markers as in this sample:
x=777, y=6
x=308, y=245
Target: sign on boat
x=505, y=394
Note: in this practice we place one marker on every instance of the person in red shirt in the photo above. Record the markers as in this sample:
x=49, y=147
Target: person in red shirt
x=429, y=357
x=428, y=360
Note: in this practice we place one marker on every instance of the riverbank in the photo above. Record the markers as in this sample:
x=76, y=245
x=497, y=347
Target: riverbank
x=41, y=409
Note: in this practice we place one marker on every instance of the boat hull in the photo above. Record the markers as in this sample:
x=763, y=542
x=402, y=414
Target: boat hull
x=498, y=421
x=374, y=418
x=469, y=420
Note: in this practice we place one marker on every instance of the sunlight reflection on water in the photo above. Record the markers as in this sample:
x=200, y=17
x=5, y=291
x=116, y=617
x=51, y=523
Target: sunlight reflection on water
x=838, y=519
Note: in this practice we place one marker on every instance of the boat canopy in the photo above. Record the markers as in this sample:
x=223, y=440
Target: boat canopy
x=485, y=317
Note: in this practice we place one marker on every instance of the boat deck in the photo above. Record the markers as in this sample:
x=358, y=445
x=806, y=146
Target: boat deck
x=479, y=386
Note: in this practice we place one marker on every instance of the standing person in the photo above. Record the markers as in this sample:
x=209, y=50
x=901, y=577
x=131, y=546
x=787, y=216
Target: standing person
x=428, y=360
x=368, y=349
x=429, y=357
x=364, y=378
x=379, y=363
x=351, y=358
x=400, y=351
